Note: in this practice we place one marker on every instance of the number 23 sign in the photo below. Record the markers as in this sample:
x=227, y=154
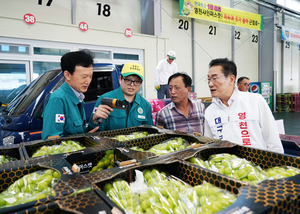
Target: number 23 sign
x=29, y=18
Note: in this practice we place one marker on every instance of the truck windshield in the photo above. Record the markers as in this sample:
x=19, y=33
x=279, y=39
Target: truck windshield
x=20, y=104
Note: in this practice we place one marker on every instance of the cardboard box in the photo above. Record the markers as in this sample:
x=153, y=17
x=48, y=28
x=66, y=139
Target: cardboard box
x=86, y=161
x=100, y=176
x=30, y=147
x=98, y=136
x=69, y=181
x=89, y=201
x=51, y=207
x=14, y=151
x=176, y=168
x=268, y=197
x=264, y=159
x=147, y=143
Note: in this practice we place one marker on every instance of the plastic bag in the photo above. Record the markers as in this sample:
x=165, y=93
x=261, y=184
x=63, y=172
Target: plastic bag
x=63, y=147
x=242, y=169
x=30, y=187
x=6, y=158
x=278, y=172
x=210, y=198
x=139, y=185
x=131, y=136
x=170, y=145
x=162, y=195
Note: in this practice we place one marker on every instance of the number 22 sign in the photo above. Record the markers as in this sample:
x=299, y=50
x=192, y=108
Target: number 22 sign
x=29, y=18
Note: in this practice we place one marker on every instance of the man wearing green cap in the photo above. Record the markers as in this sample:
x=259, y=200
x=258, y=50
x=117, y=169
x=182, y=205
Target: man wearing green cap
x=139, y=110
x=165, y=68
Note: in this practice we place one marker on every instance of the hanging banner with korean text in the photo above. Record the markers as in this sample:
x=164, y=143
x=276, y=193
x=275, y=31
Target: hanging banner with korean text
x=216, y=13
x=290, y=34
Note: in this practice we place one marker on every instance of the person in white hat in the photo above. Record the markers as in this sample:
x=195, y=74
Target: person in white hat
x=165, y=68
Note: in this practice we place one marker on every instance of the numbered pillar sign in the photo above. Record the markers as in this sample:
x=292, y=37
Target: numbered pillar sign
x=83, y=26
x=29, y=18
x=128, y=32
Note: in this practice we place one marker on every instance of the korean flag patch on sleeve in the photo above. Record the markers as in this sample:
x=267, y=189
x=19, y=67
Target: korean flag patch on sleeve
x=59, y=118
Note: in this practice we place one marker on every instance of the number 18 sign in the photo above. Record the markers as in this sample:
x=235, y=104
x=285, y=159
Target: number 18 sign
x=29, y=18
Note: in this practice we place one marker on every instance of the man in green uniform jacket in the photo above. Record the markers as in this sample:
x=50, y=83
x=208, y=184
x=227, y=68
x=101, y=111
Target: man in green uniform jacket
x=139, y=110
x=64, y=113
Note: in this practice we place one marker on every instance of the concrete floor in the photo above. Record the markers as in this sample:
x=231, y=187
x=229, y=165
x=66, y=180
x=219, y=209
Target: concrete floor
x=291, y=122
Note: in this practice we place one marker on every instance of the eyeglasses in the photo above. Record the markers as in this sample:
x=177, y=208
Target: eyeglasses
x=246, y=84
x=135, y=83
x=213, y=79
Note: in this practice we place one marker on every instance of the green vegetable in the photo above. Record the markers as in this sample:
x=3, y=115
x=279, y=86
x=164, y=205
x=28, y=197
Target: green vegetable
x=166, y=147
x=63, y=147
x=31, y=187
x=6, y=158
x=241, y=169
x=80, y=191
x=107, y=162
x=133, y=135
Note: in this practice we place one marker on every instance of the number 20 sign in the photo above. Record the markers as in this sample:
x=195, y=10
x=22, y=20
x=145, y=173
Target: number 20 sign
x=29, y=18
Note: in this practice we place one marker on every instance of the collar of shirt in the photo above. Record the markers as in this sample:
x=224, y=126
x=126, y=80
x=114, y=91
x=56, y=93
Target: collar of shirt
x=190, y=106
x=234, y=95
x=80, y=96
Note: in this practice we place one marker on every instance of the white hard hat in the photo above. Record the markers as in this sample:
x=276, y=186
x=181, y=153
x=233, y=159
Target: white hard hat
x=172, y=54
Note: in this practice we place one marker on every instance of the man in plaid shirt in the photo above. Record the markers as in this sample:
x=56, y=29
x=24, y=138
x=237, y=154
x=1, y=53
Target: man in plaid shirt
x=182, y=114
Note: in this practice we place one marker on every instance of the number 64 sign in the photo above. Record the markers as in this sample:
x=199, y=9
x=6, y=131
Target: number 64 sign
x=29, y=18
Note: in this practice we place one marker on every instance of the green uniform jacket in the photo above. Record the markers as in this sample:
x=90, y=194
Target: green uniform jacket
x=61, y=115
x=140, y=113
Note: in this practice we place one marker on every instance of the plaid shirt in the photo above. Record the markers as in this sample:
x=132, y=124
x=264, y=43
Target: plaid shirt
x=172, y=118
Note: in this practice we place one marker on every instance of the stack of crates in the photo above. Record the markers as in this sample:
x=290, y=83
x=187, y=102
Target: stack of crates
x=295, y=102
x=284, y=102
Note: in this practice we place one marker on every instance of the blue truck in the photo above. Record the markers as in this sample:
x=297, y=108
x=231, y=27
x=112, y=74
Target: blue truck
x=21, y=119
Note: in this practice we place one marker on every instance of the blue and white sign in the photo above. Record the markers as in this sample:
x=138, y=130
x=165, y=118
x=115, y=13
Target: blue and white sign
x=290, y=34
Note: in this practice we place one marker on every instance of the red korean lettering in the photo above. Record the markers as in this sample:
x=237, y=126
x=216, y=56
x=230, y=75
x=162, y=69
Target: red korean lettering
x=245, y=133
x=242, y=115
x=246, y=142
x=243, y=125
x=245, y=21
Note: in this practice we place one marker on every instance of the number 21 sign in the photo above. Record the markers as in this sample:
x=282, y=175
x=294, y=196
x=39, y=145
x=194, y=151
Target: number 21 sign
x=29, y=18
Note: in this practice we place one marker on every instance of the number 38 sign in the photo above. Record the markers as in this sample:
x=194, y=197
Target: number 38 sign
x=128, y=32
x=29, y=18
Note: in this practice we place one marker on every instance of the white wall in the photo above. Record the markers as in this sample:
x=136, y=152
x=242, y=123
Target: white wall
x=291, y=53
x=54, y=23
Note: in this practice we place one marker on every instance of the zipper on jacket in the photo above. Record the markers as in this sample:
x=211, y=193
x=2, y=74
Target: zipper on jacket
x=128, y=111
